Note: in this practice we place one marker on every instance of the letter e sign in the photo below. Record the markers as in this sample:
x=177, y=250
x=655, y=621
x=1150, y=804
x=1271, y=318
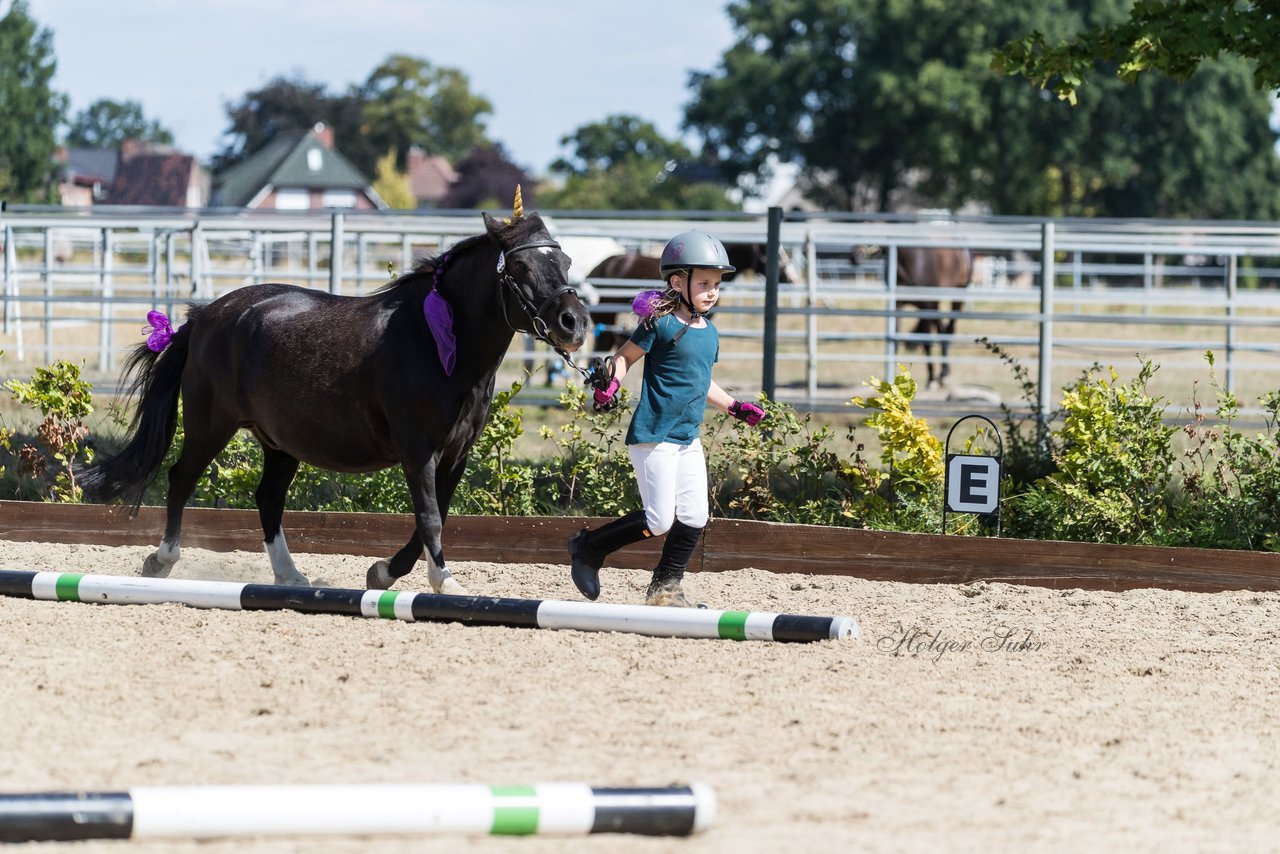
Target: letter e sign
x=973, y=484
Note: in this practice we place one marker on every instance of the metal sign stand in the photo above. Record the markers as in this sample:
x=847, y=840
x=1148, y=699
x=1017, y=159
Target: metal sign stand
x=971, y=482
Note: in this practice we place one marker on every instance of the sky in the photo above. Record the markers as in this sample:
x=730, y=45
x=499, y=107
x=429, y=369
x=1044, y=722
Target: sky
x=547, y=66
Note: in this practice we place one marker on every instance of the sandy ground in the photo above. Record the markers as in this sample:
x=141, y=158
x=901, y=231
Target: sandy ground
x=1146, y=720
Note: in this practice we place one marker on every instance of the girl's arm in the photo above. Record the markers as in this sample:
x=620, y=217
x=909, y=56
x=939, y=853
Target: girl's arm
x=718, y=397
x=628, y=354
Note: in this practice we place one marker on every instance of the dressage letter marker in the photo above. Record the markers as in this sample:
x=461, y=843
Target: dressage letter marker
x=973, y=483
x=428, y=607
x=204, y=812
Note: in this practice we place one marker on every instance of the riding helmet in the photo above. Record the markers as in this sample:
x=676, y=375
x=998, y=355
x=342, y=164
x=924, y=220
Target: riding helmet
x=694, y=250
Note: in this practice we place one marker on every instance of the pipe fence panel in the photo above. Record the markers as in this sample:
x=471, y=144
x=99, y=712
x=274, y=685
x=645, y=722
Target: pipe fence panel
x=77, y=285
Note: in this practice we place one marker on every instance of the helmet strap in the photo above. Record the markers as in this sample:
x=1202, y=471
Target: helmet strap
x=684, y=300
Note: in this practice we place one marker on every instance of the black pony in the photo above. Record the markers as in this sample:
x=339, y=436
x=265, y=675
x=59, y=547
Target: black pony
x=350, y=384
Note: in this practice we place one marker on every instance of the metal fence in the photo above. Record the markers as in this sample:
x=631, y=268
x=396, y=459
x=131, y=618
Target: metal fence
x=1056, y=296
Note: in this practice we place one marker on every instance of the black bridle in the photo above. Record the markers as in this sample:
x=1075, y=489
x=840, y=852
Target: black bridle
x=534, y=313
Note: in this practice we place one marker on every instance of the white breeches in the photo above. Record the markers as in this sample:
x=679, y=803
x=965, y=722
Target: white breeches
x=673, y=484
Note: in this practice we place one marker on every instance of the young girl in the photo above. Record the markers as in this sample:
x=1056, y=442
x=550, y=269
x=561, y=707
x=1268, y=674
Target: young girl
x=681, y=345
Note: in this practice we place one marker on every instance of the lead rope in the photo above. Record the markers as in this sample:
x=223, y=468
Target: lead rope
x=595, y=376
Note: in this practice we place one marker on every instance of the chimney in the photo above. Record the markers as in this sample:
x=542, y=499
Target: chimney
x=129, y=148
x=324, y=134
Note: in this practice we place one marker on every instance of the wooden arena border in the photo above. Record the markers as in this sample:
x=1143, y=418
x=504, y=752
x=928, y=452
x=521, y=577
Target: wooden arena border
x=729, y=544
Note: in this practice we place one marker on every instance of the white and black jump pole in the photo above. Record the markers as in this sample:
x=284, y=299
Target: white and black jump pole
x=428, y=607
x=207, y=812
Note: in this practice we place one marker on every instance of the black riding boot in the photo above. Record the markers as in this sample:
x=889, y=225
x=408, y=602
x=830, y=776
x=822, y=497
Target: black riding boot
x=664, y=588
x=588, y=549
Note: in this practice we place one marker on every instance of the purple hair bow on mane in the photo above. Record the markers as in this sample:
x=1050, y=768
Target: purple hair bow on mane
x=161, y=331
x=440, y=320
x=439, y=317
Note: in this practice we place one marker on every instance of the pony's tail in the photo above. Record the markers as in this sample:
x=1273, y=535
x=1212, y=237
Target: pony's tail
x=156, y=383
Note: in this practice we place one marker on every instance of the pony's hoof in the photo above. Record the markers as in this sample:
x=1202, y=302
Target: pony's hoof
x=153, y=567
x=451, y=587
x=295, y=580
x=667, y=594
x=379, y=576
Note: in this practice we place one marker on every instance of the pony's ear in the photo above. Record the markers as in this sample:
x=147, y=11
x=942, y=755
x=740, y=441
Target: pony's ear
x=492, y=224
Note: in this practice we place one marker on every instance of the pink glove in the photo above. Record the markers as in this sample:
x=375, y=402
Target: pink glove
x=606, y=399
x=745, y=410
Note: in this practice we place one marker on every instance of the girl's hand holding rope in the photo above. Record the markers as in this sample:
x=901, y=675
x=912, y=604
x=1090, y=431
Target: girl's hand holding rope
x=745, y=410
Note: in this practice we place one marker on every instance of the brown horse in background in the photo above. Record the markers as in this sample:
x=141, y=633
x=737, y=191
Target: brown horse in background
x=932, y=267
x=609, y=334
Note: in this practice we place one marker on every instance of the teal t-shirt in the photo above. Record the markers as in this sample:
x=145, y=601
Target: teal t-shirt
x=677, y=376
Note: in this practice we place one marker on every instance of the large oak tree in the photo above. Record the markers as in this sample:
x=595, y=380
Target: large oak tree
x=891, y=104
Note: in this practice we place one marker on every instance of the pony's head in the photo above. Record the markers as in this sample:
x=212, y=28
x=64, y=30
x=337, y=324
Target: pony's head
x=534, y=273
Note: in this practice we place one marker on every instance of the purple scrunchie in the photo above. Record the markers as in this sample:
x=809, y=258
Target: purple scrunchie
x=161, y=331
x=645, y=302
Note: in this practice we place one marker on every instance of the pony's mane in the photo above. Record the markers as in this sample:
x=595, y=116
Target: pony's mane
x=426, y=265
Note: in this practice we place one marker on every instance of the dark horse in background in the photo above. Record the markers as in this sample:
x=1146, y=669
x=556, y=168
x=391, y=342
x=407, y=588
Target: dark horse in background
x=350, y=384
x=610, y=333
x=931, y=267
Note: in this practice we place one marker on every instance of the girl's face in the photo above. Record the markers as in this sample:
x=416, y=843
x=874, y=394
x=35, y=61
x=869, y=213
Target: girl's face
x=704, y=290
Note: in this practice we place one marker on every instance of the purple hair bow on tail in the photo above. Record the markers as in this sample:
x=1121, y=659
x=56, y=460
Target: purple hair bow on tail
x=440, y=321
x=161, y=331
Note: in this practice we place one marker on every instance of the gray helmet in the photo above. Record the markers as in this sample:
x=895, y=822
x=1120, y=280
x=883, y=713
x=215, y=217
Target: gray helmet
x=694, y=250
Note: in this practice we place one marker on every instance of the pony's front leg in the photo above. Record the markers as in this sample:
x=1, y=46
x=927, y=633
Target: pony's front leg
x=427, y=541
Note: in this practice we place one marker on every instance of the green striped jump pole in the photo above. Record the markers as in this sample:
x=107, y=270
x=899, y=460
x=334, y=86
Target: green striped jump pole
x=433, y=607
x=204, y=812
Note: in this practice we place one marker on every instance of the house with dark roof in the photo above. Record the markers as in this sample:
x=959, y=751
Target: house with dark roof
x=86, y=174
x=158, y=175
x=430, y=177
x=296, y=171
x=138, y=174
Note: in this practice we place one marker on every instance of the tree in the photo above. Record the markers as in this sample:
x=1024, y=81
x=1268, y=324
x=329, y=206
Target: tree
x=624, y=163
x=284, y=105
x=1204, y=148
x=1173, y=39
x=404, y=102
x=30, y=110
x=870, y=98
x=487, y=179
x=893, y=105
x=407, y=101
x=393, y=186
x=107, y=124
x=616, y=141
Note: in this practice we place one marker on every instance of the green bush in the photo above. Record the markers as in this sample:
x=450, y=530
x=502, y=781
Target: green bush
x=1230, y=481
x=1107, y=472
x=588, y=469
x=47, y=462
x=1113, y=466
x=784, y=472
